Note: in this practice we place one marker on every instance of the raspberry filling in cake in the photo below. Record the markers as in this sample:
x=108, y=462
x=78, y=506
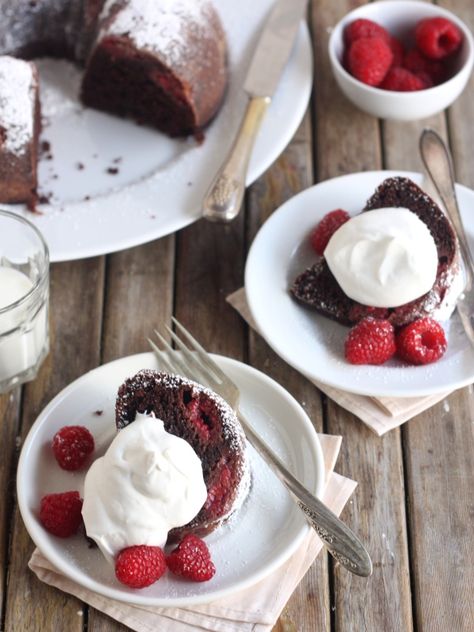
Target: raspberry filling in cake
x=204, y=420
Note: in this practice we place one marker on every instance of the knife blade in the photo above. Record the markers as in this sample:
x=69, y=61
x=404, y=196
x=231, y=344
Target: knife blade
x=224, y=197
x=439, y=166
x=274, y=47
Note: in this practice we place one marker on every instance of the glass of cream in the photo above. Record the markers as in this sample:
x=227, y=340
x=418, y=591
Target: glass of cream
x=24, y=295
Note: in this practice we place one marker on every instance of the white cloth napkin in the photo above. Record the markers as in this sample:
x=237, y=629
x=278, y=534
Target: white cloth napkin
x=255, y=609
x=380, y=414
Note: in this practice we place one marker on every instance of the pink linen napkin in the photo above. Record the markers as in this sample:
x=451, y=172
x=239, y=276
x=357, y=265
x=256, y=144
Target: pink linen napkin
x=380, y=414
x=255, y=609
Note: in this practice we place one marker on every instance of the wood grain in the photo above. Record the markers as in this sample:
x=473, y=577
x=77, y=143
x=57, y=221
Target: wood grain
x=76, y=315
x=346, y=141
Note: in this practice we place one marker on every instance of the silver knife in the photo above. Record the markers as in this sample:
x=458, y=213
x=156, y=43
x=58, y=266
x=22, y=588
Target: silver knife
x=223, y=200
x=438, y=162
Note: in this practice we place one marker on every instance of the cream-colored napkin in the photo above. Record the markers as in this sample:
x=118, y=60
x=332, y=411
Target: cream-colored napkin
x=380, y=414
x=255, y=609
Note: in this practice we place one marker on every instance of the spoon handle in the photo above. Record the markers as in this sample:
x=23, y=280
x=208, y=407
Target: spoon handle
x=438, y=163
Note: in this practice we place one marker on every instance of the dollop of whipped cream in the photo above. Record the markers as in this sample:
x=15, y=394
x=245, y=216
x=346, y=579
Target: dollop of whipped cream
x=148, y=482
x=384, y=258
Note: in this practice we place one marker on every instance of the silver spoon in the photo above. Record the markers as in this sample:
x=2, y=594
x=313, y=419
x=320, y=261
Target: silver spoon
x=439, y=166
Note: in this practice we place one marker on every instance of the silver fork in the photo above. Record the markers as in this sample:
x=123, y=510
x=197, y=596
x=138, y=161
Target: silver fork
x=193, y=361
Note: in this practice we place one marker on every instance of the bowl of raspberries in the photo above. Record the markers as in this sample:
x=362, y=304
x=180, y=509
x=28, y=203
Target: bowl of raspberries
x=401, y=59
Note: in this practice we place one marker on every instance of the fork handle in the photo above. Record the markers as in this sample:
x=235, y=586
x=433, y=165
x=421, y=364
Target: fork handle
x=340, y=541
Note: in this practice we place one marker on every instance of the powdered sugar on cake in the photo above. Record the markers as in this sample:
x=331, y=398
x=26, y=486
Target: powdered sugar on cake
x=158, y=26
x=17, y=96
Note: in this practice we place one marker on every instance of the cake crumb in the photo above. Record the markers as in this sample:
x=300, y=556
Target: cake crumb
x=98, y=412
x=112, y=171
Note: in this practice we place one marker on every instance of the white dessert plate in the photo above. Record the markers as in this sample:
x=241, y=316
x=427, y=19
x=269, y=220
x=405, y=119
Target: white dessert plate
x=313, y=344
x=112, y=184
x=262, y=534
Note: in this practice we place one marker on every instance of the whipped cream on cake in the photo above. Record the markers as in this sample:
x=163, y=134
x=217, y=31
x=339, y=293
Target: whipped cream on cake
x=148, y=482
x=384, y=258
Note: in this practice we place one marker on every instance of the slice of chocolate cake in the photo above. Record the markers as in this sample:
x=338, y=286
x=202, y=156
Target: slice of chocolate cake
x=318, y=289
x=207, y=422
x=20, y=124
x=163, y=64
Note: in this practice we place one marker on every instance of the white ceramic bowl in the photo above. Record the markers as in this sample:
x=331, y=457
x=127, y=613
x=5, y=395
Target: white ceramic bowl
x=399, y=17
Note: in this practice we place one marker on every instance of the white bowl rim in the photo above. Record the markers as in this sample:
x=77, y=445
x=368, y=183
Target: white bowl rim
x=358, y=11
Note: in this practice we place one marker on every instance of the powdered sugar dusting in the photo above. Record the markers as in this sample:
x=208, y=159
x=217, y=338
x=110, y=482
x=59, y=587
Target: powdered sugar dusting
x=17, y=98
x=158, y=26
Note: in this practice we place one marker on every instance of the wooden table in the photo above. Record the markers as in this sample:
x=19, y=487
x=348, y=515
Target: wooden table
x=414, y=505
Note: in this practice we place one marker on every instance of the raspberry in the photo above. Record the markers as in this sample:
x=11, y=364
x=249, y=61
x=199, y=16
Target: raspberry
x=191, y=559
x=369, y=59
x=402, y=80
x=71, y=446
x=364, y=28
x=326, y=228
x=60, y=514
x=418, y=64
x=371, y=341
x=421, y=342
x=398, y=51
x=219, y=489
x=437, y=38
x=140, y=566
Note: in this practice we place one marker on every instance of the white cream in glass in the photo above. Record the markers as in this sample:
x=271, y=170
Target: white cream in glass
x=24, y=294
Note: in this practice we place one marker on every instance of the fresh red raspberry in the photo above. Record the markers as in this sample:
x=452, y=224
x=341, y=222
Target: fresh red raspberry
x=421, y=342
x=398, y=51
x=140, y=566
x=60, y=514
x=371, y=341
x=437, y=38
x=364, y=28
x=369, y=59
x=416, y=63
x=402, y=80
x=191, y=559
x=326, y=228
x=71, y=446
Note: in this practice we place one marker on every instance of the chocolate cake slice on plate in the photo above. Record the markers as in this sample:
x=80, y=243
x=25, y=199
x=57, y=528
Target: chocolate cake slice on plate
x=318, y=289
x=208, y=423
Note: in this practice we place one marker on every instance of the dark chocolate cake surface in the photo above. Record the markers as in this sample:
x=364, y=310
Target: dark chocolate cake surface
x=206, y=421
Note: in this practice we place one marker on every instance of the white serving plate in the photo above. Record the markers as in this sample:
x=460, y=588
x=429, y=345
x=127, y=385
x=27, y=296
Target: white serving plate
x=262, y=535
x=313, y=344
x=160, y=182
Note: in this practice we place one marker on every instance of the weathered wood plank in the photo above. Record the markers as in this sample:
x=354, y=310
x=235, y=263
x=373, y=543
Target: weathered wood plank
x=347, y=140
x=439, y=455
x=76, y=315
x=138, y=297
x=308, y=607
x=9, y=428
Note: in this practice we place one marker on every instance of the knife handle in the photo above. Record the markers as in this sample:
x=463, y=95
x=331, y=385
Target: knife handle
x=223, y=199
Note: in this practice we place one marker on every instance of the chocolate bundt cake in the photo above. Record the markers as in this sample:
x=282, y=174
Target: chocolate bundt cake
x=20, y=126
x=318, y=289
x=207, y=422
x=161, y=62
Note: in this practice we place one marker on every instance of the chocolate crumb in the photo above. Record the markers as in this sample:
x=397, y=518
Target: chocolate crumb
x=98, y=412
x=118, y=160
x=112, y=170
x=45, y=198
x=80, y=166
x=45, y=146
